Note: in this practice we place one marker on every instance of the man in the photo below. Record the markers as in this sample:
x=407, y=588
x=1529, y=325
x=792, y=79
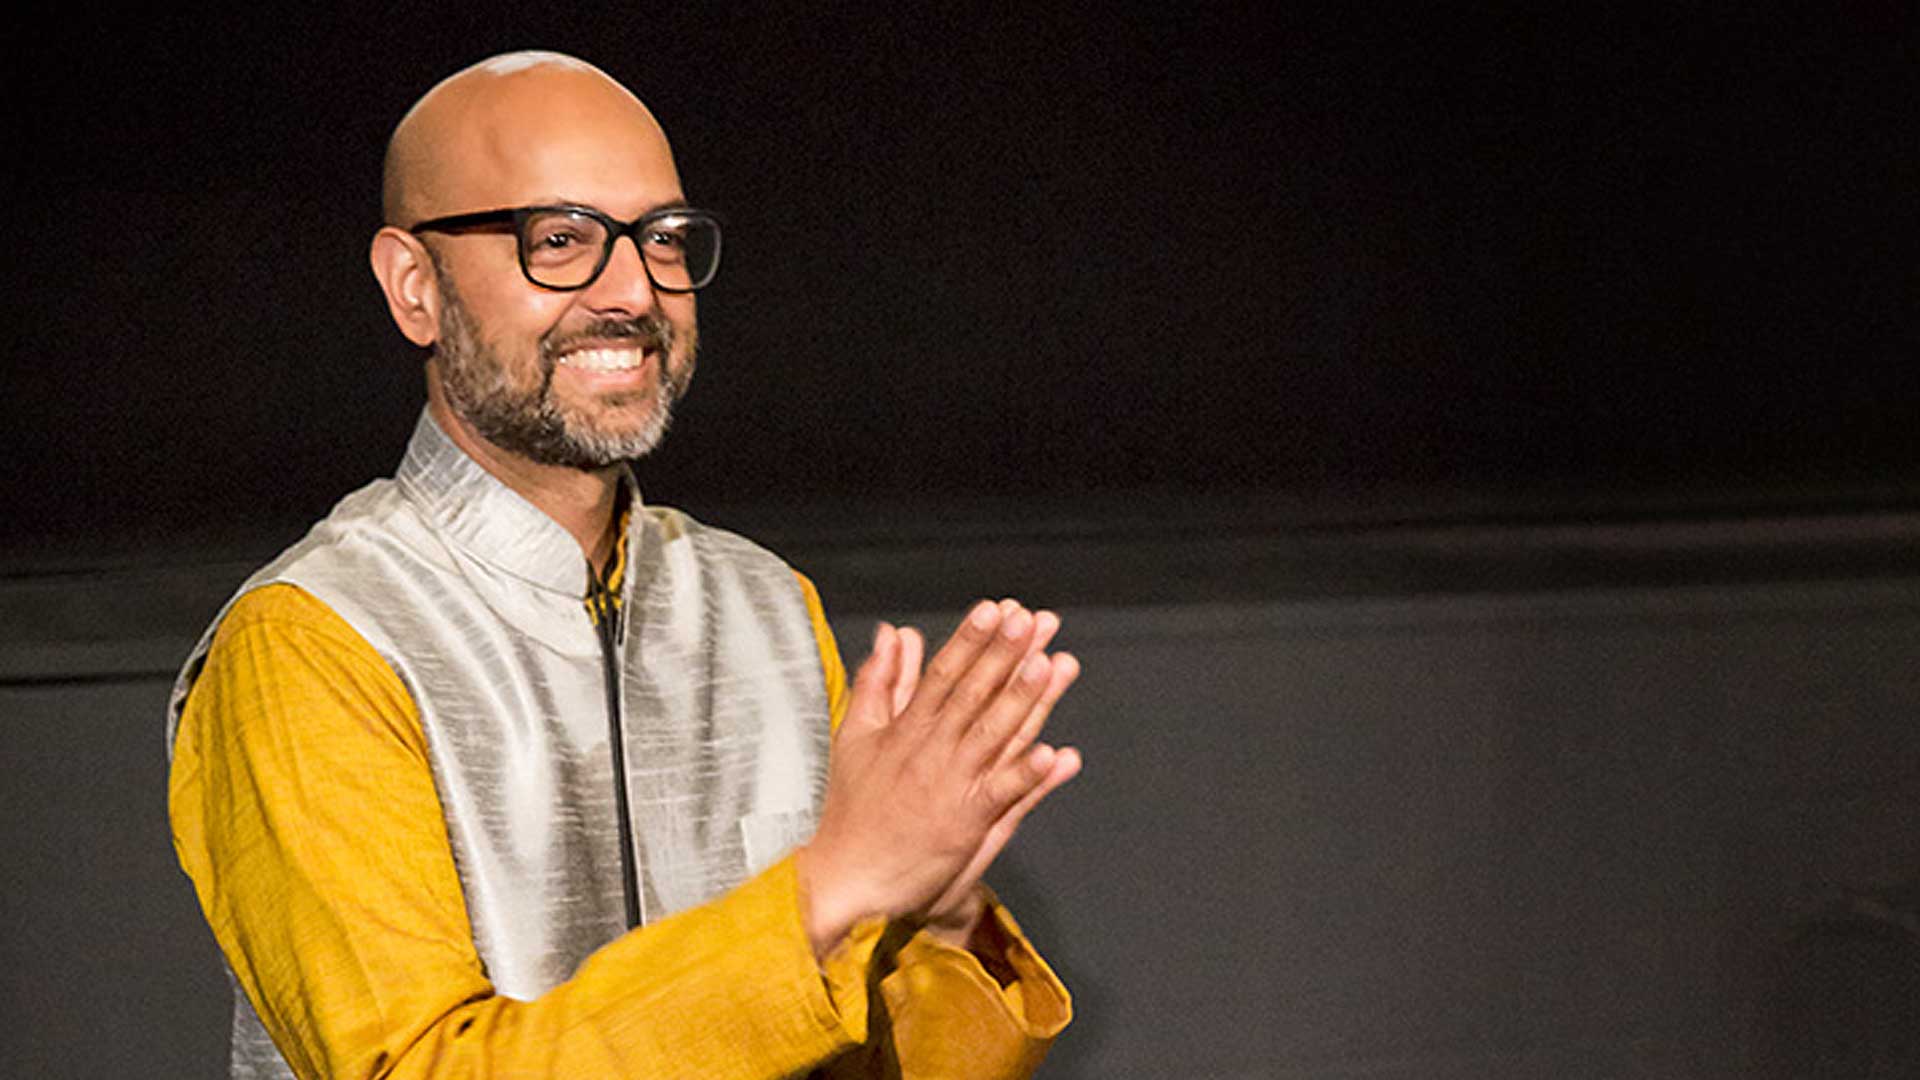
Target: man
x=499, y=772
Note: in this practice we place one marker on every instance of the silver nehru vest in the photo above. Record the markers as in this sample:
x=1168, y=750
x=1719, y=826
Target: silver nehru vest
x=473, y=596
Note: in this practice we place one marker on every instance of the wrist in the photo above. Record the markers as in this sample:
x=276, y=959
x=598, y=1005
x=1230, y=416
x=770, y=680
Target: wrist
x=827, y=912
x=982, y=937
x=958, y=922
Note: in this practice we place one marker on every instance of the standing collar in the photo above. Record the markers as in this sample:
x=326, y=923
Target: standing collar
x=483, y=517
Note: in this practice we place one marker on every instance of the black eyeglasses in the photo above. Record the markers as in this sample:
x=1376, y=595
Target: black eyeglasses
x=566, y=247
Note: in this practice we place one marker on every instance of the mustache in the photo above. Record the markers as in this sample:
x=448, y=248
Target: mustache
x=652, y=332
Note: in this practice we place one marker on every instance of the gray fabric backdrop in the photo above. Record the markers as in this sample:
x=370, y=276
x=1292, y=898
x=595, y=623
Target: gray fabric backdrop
x=1331, y=824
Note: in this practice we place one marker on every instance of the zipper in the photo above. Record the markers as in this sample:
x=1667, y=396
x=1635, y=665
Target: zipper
x=606, y=615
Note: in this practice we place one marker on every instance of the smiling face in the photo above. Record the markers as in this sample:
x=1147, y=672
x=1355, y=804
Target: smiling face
x=594, y=395
x=579, y=379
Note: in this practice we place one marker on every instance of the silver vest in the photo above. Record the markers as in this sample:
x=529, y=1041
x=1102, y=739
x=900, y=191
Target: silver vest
x=474, y=597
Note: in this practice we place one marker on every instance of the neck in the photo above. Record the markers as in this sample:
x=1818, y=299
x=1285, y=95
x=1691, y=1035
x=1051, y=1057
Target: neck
x=581, y=501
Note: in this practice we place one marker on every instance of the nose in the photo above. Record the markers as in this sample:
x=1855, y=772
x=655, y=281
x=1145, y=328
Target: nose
x=623, y=286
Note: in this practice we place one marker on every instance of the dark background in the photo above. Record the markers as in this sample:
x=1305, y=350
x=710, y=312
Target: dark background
x=1474, y=454
x=1541, y=260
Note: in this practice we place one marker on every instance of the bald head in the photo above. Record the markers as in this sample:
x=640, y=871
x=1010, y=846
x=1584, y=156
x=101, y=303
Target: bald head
x=519, y=128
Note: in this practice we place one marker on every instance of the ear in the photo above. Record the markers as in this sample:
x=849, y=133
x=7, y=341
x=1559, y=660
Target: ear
x=405, y=272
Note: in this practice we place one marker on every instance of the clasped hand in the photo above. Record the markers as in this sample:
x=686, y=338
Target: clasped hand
x=932, y=772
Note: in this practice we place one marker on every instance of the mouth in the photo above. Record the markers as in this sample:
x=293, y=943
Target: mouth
x=605, y=360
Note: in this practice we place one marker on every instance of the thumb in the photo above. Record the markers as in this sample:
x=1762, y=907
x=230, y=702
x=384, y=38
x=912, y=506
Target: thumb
x=870, y=705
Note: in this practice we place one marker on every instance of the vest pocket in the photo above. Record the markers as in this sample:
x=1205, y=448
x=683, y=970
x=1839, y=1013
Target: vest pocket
x=766, y=836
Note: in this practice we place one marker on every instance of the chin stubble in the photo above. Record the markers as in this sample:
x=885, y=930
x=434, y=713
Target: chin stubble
x=529, y=422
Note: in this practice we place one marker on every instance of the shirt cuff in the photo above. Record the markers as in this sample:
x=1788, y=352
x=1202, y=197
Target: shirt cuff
x=751, y=981
x=950, y=1017
x=1037, y=1003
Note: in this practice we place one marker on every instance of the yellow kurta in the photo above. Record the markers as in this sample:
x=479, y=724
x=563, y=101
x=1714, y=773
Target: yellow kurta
x=305, y=812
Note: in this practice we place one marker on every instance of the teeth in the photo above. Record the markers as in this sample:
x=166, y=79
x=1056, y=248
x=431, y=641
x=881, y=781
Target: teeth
x=604, y=359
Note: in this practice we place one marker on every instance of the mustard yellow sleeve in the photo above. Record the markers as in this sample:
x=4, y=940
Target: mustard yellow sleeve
x=947, y=1016
x=834, y=672
x=304, y=811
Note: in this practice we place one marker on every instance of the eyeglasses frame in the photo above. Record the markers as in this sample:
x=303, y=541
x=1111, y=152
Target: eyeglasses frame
x=516, y=216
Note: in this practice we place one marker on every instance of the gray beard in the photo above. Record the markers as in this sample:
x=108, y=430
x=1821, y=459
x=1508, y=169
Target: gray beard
x=529, y=422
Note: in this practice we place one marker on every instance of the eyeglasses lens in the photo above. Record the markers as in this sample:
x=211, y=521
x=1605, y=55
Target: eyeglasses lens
x=563, y=248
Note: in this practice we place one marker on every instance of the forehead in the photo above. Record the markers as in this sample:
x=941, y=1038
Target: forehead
x=549, y=134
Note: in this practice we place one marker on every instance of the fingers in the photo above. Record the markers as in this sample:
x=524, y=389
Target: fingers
x=995, y=730
x=971, y=640
x=975, y=634
x=933, y=768
x=988, y=682
x=1014, y=720
x=987, y=694
x=1043, y=769
x=992, y=685
x=1045, y=625
x=1065, y=669
x=983, y=741
x=1020, y=762
x=1053, y=768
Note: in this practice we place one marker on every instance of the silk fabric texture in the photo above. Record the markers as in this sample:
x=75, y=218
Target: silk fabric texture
x=393, y=789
